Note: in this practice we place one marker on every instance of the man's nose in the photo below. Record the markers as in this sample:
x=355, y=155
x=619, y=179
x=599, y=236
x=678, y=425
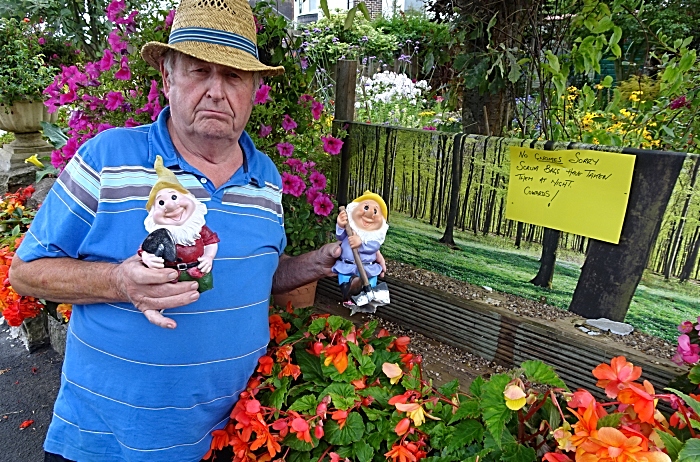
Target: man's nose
x=216, y=86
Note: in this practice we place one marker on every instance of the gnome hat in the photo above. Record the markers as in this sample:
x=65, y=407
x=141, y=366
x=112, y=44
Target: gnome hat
x=166, y=179
x=369, y=195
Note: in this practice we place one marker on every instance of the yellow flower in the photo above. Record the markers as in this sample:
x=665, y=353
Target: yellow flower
x=563, y=437
x=393, y=371
x=34, y=160
x=426, y=113
x=515, y=397
x=598, y=86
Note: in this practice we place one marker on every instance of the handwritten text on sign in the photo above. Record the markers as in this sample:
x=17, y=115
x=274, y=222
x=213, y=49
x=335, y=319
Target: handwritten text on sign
x=580, y=192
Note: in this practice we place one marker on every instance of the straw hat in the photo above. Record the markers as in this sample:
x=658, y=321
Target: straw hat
x=369, y=195
x=215, y=31
x=166, y=179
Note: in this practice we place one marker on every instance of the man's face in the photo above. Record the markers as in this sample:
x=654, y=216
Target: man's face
x=208, y=101
x=368, y=215
x=172, y=208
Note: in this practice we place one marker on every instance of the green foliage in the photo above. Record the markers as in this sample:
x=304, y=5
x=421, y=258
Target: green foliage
x=23, y=71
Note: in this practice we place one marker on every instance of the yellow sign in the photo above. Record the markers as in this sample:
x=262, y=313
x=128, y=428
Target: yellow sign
x=580, y=192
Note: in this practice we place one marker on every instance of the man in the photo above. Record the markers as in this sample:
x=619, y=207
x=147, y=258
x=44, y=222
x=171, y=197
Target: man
x=138, y=391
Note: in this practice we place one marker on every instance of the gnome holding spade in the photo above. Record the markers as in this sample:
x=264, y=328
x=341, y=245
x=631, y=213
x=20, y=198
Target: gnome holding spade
x=366, y=219
x=178, y=235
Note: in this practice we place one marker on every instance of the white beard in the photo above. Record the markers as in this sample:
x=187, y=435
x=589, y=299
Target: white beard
x=186, y=233
x=367, y=236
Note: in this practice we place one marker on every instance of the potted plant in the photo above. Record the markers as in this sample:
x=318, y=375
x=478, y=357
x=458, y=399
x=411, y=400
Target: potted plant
x=24, y=75
x=294, y=128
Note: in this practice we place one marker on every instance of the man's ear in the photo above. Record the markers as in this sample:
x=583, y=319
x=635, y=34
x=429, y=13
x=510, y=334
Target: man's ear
x=166, y=79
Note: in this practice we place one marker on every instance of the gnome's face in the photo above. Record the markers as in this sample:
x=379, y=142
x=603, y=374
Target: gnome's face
x=367, y=215
x=172, y=208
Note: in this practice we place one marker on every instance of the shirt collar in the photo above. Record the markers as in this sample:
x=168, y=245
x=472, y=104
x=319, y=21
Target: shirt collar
x=161, y=144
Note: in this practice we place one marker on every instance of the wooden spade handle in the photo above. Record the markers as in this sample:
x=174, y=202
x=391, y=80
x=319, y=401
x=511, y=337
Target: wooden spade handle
x=355, y=253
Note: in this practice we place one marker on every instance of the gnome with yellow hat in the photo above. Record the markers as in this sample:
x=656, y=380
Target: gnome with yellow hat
x=179, y=237
x=366, y=216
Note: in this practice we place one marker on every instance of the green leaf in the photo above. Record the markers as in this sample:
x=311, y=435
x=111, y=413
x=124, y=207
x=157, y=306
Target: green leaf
x=363, y=451
x=304, y=404
x=673, y=444
x=539, y=372
x=690, y=452
x=380, y=395
x=466, y=433
x=317, y=325
x=293, y=442
x=693, y=404
x=687, y=61
x=518, y=453
x=352, y=431
x=342, y=394
x=278, y=397
x=610, y=420
x=337, y=322
x=365, y=12
x=694, y=374
x=310, y=366
x=476, y=387
x=449, y=388
x=350, y=18
x=54, y=133
x=324, y=8
x=468, y=408
x=607, y=82
x=493, y=406
x=300, y=456
x=366, y=363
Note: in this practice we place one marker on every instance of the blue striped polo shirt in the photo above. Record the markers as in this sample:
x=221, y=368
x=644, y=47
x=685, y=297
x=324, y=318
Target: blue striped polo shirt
x=131, y=391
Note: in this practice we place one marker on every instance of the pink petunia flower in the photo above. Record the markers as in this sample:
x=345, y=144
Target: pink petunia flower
x=318, y=180
x=265, y=131
x=685, y=327
x=124, y=73
x=316, y=109
x=116, y=44
x=115, y=9
x=292, y=184
x=103, y=127
x=305, y=98
x=114, y=100
x=262, y=95
x=679, y=103
x=331, y=144
x=130, y=122
x=288, y=123
x=296, y=165
x=107, y=61
x=311, y=195
x=66, y=98
x=92, y=70
x=169, y=19
x=285, y=149
x=429, y=127
x=323, y=205
x=42, y=40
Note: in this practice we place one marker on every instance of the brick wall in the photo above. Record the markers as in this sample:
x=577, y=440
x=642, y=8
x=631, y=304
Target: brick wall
x=373, y=6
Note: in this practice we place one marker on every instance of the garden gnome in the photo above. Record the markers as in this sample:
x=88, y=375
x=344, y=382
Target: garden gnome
x=178, y=235
x=366, y=216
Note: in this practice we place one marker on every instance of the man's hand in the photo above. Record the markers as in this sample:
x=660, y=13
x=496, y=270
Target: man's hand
x=152, y=290
x=293, y=272
x=326, y=258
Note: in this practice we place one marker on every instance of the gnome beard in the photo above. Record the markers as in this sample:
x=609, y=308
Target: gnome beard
x=365, y=235
x=188, y=232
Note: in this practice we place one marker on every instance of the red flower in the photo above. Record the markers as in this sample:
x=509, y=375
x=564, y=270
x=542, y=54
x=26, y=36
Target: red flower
x=400, y=344
x=340, y=417
x=278, y=328
x=401, y=454
x=337, y=354
x=26, y=424
x=266, y=364
x=290, y=370
x=301, y=428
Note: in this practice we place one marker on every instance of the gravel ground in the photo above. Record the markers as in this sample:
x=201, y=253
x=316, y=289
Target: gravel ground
x=640, y=341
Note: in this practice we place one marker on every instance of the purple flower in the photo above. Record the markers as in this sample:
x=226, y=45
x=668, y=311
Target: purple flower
x=292, y=184
x=115, y=42
x=686, y=327
x=107, y=61
x=316, y=109
x=318, y=180
x=304, y=62
x=288, y=123
x=130, y=122
x=296, y=166
x=114, y=100
x=285, y=149
x=124, y=73
x=66, y=98
x=262, y=96
x=103, y=127
x=169, y=19
x=115, y=9
x=429, y=127
x=323, y=205
x=305, y=98
x=679, y=103
x=92, y=70
x=128, y=22
x=42, y=40
x=331, y=144
x=311, y=195
x=687, y=352
x=265, y=130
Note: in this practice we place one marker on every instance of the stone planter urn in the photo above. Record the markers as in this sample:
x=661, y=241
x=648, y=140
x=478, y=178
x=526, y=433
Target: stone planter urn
x=24, y=120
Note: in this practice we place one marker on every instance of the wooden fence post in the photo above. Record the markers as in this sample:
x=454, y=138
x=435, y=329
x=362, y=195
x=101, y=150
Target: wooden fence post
x=345, y=111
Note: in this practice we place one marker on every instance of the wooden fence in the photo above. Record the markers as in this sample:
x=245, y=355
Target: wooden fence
x=412, y=170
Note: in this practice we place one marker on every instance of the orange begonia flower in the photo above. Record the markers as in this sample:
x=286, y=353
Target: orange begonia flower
x=284, y=353
x=399, y=453
x=610, y=444
x=337, y=354
x=219, y=440
x=264, y=437
x=400, y=344
x=340, y=417
x=586, y=426
x=403, y=426
x=266, y=364
x=301, y=428
x=278, y=328
x=642, y=398
x=556, y=457
x=616, y=376
x=290, y=370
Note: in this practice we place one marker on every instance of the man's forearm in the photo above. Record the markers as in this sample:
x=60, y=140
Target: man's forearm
x=293, y=272
x=66, y=280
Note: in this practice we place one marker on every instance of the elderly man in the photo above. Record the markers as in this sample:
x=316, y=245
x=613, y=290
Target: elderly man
x=138, y=391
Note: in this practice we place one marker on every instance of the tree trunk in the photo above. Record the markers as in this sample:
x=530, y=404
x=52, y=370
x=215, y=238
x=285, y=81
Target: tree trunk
x=671, y=261
x=519, y=235
x=692, y=258
x=457, y=156
x=550, y=242
x=611, y=272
